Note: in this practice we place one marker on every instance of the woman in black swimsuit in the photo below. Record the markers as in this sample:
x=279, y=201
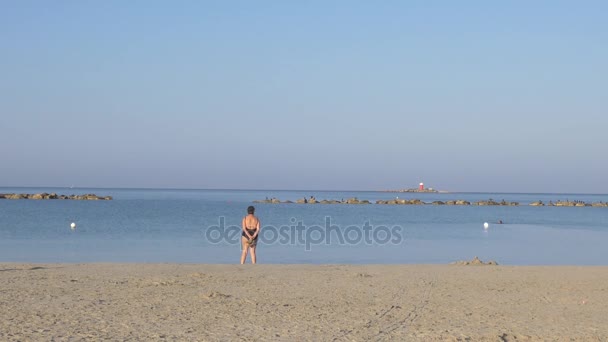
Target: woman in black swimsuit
x=249, y=237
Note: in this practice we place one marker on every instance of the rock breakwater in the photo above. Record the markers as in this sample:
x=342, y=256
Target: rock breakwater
x=398, y=201
x=51, y=196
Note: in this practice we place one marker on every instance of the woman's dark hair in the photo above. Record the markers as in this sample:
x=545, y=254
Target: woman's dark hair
x=250, y=210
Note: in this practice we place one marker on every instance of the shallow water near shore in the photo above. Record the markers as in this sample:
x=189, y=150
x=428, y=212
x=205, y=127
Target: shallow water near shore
x=149, y=225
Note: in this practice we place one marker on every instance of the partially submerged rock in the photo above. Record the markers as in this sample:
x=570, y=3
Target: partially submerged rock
x=401, y=201
x=458, y=202
x=493, y=202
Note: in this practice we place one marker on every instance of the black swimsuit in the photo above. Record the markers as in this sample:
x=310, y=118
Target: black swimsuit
x=251, y=232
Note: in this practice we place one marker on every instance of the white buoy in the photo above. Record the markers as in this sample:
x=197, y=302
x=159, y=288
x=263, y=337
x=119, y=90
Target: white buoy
x=485, y=225
x=73, y=226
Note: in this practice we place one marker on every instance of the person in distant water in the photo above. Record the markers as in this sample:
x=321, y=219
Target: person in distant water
x=499, y=221
x=249, y=237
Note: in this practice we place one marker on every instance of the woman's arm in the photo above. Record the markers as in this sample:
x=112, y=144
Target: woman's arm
x=257, y=230
x=245, y=230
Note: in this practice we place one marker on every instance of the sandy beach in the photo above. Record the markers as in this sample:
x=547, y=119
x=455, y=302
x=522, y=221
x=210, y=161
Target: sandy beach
x=42, y=302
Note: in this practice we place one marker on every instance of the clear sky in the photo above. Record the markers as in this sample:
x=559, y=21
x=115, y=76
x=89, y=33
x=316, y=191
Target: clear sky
x=363, y=95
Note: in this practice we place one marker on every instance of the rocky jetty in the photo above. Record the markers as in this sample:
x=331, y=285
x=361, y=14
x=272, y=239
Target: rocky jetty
x=458, y=202
x=475, y=262
x=46, y=196
x=398, y=201
x=313, y=200
x=570, y=204
x=401, y=201
x=493, y=202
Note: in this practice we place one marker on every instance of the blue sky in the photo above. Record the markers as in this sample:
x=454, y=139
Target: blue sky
x=464, y=96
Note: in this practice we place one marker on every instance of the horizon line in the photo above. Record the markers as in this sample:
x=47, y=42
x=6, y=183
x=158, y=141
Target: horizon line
x=311, y=190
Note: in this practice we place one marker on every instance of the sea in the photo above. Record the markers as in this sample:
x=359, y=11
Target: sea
x=204, y=226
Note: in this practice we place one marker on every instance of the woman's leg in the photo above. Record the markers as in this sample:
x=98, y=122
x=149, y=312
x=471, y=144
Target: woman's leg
x=244, y=247
x=253, y=257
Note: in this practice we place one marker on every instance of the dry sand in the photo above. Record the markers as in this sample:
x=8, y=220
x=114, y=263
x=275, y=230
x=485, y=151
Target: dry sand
x=302, y=302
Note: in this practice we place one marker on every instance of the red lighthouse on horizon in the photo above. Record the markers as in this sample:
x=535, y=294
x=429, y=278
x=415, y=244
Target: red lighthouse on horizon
x=421, y=187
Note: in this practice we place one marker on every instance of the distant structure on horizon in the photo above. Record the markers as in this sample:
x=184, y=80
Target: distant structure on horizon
x=420, y=188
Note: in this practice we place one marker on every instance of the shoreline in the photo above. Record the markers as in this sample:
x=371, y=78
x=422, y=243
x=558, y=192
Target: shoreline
x=280, y=301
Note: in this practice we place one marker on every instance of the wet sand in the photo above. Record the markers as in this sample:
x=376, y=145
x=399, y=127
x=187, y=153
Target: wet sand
x=302, y=302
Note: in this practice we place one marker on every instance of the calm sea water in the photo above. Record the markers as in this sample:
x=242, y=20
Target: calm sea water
x=183, y=226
